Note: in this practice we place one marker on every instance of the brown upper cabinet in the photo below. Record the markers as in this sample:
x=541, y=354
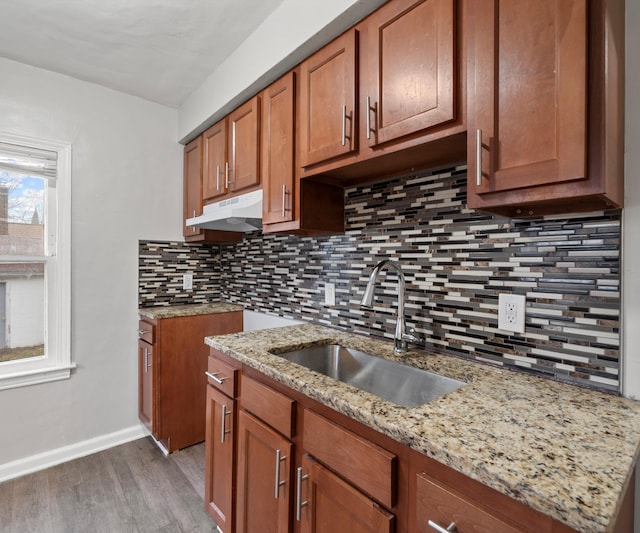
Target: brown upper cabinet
x=216, y=164
x=232, y=153
x=402, y=64
x=192, y=186
x=328, y=105
x=193, y=193
x=409, y=76
x=545, y=127
x=289, y=204
x=278, y=166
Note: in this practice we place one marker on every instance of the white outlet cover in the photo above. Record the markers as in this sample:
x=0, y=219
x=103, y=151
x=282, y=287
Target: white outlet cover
x=187, y=282
x=329, y=294
x=511, y=312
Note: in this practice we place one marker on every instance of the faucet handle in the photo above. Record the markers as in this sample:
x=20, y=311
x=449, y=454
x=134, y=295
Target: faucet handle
x=414, y=337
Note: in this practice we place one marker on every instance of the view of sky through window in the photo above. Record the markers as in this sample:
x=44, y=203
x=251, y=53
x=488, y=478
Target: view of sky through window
x=26, y=197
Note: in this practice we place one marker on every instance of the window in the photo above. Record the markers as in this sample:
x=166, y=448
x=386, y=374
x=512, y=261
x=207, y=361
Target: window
x=34, y=261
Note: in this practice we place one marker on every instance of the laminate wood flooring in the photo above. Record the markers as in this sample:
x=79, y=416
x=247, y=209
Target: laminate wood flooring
x=127, y=489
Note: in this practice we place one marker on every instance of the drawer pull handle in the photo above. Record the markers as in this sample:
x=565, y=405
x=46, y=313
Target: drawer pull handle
x=214, y=377
x=141, y=333
x=440, y=529
x=479, y=158
x=299, y=503
x=223, y=424
x=279, y=483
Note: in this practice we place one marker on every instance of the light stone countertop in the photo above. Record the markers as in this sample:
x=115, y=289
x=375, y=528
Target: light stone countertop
x=563, y=450
x=174, y=311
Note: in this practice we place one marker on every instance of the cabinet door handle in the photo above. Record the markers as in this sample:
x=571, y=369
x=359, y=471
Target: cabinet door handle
x=369, y=110
x=278, y=483
x=217, y=177
x=284, y=198
x=227, y=171
x=146, y=360
x=345, y=116
x=440, y=529
x=479, y=157
x=223, y=431
x=299, y=503
x=214, y=377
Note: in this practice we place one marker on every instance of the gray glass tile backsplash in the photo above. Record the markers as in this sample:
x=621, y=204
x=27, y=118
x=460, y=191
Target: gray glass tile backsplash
x=456, y=262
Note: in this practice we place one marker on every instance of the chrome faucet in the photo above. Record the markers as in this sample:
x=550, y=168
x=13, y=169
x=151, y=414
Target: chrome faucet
x=401, y=335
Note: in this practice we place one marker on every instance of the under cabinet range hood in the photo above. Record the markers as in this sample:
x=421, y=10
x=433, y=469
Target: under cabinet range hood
x=241, y=213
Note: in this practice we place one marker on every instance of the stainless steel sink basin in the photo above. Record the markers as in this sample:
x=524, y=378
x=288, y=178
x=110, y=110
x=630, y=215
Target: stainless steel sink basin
x=398, y=383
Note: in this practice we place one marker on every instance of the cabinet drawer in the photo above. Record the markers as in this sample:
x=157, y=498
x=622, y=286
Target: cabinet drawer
x=364, y=464
x=269, y=405
x=437, y=503
x=146, y=331
x=222, y=376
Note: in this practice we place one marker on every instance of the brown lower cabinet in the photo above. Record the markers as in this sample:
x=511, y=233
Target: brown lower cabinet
x=302, y=467
x=332, y=504
x=172, y=359
x=264, y=477
x=219, y=456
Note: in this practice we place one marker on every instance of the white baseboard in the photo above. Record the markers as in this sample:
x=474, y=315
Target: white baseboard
x=40, y=461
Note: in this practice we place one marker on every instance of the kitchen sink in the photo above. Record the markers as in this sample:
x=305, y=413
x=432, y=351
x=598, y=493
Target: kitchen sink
x=401, y=384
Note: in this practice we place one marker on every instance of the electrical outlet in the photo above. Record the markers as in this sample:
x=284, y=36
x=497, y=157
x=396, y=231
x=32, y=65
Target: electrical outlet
x=329, y=294
x=511, y=311
x=187, y=282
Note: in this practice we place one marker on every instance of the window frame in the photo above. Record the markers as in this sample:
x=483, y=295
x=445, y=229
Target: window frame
x=56, y=364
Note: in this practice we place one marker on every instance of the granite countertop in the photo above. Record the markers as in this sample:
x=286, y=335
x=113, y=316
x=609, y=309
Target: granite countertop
x=173, y=311
x=563, y=450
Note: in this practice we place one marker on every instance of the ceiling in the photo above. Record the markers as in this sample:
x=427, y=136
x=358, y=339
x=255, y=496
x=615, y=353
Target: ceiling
x=160, y=50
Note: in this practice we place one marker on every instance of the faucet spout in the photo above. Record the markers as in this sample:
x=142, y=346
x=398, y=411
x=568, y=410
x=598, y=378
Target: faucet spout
x=400, y=343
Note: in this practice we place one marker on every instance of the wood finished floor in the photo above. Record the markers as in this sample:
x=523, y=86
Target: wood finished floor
x=127, y=489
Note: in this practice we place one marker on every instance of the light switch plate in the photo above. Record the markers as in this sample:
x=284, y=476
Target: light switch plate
x=329, y=294
x=187, y=282
x=511, y=311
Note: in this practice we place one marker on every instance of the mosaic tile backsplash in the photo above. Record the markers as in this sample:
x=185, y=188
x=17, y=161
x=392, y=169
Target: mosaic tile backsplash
x=456, y=261
x=160, y=269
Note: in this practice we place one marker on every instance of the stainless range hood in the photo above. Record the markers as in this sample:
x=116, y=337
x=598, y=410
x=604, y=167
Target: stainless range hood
x=241, y=213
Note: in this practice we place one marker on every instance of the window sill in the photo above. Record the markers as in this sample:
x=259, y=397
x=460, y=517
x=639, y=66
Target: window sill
x=33, y=377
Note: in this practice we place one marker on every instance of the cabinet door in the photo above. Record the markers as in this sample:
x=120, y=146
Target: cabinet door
x=527, y=95
x=330, y=505
x=328, y=101
x=264, y=477
x=437, y=505
x=410, y=69
x=192, y=184
x=219, y=471
x=193, y=192
x=278, y=177
x=214, y=156
x=145, y=385
x=244, y=123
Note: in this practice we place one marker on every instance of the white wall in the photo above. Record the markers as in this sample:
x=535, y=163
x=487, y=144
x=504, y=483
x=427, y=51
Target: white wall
x=126, y=185
x=631, y=219
x=25, y=312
